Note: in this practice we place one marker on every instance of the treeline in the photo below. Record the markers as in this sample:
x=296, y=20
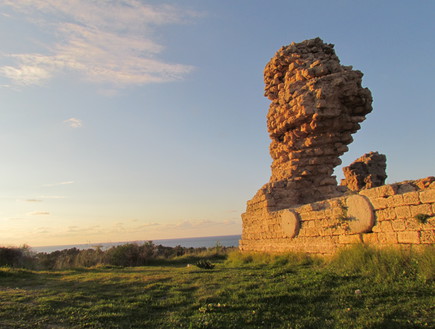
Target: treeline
x=130, y=254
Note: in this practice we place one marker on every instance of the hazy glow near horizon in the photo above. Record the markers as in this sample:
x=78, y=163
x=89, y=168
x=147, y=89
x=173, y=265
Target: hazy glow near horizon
x=138, y=120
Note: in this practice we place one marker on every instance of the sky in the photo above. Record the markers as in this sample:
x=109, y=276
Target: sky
x=129, y=120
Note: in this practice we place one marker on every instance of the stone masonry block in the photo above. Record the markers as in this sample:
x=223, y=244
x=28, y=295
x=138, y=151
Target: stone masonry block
x=381, y=191
x=425, y=209
x=310, y=223
x=398, y=225
x=346, y=239
x=303, y=209
x=427, y=237
x=408, y=237
x=385, y=214
x=310, y=215
x=379, y=203
x=328, y=222
x=427, y=196
x=309, y=231
x=386, y=226
x=411, y=198
x=429, y=225
x=386, y=190
x=413, y=225
x=403, y=212
x=327, y=231
x=395, y=201
x=370, y=238
x=371, y=193
x=387, y=238
x=376, y=228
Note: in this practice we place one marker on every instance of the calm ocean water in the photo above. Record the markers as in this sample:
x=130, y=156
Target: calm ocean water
x=209, y=241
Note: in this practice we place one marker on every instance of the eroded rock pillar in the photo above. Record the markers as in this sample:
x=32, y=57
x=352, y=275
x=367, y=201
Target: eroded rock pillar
x=316, y=106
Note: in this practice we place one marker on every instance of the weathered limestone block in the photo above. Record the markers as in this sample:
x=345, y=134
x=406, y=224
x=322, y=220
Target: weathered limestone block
x=427, y=196
x=427, y=237
x=348, y=239
x=403, y=212
x=398, y=225
x=395, y=201
x=379, y=203
x=425, y=183
x=387, y=238
x=370, y=238
x=411, y=198
x=408, y=237
x=425, y=209
x=381, y=191
x=365, y=172
x=386, y=226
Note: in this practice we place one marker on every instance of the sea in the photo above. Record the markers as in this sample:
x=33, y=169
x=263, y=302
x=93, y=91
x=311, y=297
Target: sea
x=208, y=242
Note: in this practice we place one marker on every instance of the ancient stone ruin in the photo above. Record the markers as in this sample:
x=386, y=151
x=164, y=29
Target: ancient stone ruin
x=366, y=172
x=316, y=106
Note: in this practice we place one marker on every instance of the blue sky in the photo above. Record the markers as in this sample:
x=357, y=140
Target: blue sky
x=136, y=120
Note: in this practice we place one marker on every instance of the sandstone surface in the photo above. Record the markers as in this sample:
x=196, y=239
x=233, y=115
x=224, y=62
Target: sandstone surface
x=366, y=172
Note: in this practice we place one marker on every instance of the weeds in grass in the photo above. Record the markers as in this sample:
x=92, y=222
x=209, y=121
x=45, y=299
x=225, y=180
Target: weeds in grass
x=237, y=258
x=385, y=265
x=422, y=218
x=355, y=289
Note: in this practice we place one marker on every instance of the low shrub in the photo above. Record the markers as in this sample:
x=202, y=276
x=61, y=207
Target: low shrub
x=16, y=257
x=205, y=264
x=130, y=254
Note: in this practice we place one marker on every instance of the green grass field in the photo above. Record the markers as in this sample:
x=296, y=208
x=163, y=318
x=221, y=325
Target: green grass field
x=242, y=292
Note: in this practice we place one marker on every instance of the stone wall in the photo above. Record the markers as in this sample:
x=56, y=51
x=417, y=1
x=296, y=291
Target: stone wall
x=316, y=106
x=381, y=216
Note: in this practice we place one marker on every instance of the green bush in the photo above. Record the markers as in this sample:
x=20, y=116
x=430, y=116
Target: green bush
x=16, y=257
x=130, y=254
x=205, y=264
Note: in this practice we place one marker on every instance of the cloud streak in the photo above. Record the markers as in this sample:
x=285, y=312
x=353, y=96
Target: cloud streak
x=109, y=43
x=74, y=123
x=59, y=184
x=39, y=213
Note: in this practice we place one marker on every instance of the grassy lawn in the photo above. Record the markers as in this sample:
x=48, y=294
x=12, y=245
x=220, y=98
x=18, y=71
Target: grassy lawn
x=229, y=296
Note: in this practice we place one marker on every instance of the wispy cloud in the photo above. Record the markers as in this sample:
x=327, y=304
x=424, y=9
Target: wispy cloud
x=84, y=230
x=59, y=184
x=74, y=123
x=33, y=200
x=108, y=42
x=52, y=196
x=25, y=74
x=38, y=213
